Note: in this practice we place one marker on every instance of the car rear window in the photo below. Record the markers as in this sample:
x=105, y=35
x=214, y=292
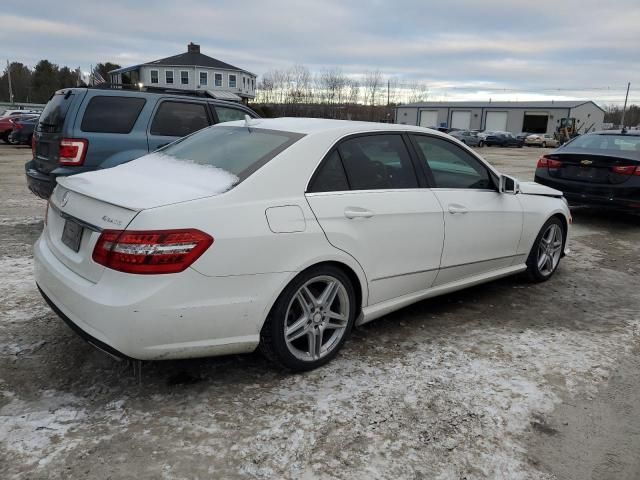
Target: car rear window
x=628, y=143
x=55, y=111
x=238, y=150
x=108, y=114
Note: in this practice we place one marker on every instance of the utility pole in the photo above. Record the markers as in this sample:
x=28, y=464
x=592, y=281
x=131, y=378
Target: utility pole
x=388, y=91
x=625, y=105
x=10, y=88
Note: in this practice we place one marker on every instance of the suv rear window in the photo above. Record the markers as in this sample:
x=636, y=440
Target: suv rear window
x=108, y=114
x=54, y=113
x=238, y=150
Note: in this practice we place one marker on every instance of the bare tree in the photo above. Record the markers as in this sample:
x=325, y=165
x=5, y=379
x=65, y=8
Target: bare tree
x=372, y=82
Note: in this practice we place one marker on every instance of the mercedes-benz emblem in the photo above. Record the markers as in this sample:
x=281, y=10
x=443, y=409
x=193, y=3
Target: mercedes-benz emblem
x=65, y=199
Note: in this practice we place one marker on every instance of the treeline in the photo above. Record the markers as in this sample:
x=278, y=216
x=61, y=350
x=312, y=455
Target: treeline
x=36, y=85
x=613, y=114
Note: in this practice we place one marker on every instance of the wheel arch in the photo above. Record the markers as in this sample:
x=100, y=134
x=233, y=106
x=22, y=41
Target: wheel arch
x=350, y=268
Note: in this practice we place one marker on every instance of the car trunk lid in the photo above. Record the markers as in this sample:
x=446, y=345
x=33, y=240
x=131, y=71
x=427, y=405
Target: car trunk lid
x=592, y=168
x=73, y=225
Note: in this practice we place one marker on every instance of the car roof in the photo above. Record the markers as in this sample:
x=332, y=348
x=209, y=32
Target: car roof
x=616, y=132
x=308, y=126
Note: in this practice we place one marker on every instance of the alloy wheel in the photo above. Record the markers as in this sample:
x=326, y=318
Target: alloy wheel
x=549, y=249
x=317, y=318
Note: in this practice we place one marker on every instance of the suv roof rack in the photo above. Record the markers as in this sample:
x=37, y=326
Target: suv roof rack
x=150, y=89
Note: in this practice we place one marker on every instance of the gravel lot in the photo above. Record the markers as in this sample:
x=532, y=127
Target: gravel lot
x=507, y=380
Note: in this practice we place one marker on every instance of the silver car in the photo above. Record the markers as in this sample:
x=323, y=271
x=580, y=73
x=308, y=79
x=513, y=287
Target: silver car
x=543, y=140
x=469, y=138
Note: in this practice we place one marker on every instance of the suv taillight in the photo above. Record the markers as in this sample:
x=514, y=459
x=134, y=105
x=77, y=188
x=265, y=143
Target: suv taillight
x=72, y=151
x=546, y=162
x=150, y=252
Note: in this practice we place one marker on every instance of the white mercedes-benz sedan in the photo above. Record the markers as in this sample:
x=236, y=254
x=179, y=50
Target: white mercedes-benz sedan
x=283, y=234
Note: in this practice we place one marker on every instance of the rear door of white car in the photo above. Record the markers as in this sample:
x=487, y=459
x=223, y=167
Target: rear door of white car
x=482, y=226
x=372, y=204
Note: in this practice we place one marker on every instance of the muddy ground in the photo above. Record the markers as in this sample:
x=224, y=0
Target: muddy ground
x=507, y=380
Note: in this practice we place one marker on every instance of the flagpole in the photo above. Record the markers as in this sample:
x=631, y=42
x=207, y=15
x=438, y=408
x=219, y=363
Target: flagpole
x=10, y=87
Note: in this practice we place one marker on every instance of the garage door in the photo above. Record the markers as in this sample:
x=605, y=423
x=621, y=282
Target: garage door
x=461, y=120
x=496, y=122
x=429, y=118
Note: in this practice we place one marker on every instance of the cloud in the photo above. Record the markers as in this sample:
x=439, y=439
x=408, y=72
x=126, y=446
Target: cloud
x=529, y=47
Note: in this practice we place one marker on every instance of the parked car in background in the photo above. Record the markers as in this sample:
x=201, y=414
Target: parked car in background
x=502, y=139
x=543, y=140
x=523, y=135
x=23, y=131
x=601, y=168
x=276, y=235
x=8, y=113
x=85, y=129
x=7, y=123
x=468, y=138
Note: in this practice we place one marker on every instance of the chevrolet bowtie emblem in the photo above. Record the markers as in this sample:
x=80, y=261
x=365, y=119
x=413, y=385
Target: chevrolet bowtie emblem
x=586, y=162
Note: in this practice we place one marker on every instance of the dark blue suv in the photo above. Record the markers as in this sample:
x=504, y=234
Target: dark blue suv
x=84, y=129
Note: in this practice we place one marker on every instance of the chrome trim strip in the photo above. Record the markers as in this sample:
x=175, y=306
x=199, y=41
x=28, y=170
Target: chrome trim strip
x=404, y=274
x=66, y=216
x=480, y=261
x=443, y=268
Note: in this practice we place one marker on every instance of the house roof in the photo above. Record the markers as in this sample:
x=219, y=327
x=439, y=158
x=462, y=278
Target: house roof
x=536, y=104
x=191, y=58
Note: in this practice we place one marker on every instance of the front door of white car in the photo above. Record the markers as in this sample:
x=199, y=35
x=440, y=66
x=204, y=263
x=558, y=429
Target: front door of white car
x=482, y=226
x=371, y=204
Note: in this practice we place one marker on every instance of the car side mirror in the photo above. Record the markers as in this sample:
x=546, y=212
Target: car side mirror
x=508, y=185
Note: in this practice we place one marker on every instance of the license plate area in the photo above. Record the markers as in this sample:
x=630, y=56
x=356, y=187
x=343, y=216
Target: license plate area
x=72, y=234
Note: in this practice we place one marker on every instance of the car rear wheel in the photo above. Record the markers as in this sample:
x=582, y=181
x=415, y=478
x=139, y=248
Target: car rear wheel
x=546, y=252
x=311, y=319
x=481, y=143
x=544, y=144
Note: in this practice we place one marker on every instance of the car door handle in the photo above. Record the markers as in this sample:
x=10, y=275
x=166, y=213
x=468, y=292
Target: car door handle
x=357, y=212
x=455, y=208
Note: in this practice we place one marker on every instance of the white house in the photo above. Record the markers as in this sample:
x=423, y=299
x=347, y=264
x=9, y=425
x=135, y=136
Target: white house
x=192, y=70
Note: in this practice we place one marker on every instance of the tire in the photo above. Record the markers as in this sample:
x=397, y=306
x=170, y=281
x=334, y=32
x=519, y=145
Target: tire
x=480, y=144
x=549, y=244
x=544, y=145
x=300, y=303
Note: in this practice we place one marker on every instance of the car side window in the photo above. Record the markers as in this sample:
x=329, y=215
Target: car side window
x=109, y=114
x=226, y=114
x=452, y=166
x=177, y=119
x=377, y=162
x=331, y=176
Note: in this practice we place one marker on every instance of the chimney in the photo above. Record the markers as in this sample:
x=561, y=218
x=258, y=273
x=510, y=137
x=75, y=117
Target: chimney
x=193, y=48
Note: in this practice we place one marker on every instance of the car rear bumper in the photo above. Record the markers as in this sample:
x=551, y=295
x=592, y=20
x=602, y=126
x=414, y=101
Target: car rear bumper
x=40, y=184
x=578, y=193
x=157, y=317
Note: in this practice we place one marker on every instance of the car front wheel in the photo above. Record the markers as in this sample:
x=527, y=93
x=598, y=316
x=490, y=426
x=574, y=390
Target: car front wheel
x=311, y=319
x=546, y=252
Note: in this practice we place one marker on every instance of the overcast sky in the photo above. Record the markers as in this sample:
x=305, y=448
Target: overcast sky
x=461, y=49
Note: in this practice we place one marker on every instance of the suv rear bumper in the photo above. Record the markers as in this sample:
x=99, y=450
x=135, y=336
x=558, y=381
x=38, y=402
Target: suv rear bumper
x=40, y=184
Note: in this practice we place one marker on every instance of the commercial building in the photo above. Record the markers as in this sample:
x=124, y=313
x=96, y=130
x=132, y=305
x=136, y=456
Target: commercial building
x=515, y=117
x=191, y=70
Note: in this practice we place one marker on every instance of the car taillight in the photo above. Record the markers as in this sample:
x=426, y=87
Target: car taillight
x=626, y=169
x=72, y=151
x=150, y=252
x=546, y=162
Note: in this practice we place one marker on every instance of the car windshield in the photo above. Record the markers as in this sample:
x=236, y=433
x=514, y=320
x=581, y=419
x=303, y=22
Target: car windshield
x=237, y=150
x=628, y=143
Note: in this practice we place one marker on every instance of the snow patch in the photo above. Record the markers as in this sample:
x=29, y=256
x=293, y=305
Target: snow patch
x=151, y=181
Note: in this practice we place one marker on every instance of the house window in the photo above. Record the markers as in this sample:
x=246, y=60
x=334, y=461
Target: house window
x=218, y=79
x=168, y=77
x=232, y=81
x=204, y=78
x=253, y=84
x=184, y=77
x=244, y=83
x=154, y=76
